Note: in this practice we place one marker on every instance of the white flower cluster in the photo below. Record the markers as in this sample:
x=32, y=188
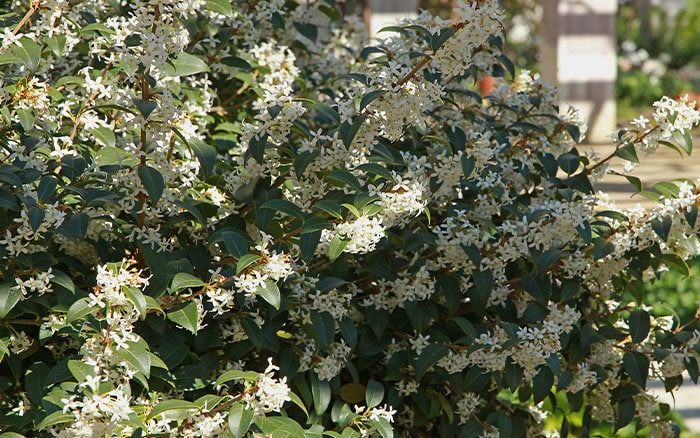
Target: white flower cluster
x=475, y=23
x=272, y=266
x=416, y=286
x=268, y=394
x=362, y=235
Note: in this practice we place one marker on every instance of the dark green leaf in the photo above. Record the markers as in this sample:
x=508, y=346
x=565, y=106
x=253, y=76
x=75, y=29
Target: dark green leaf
x=206, y=154
x=9, y=297
x=662, y=226
x=374, y=393
x=284, y=206
x=675, y=263
x=637, y=367
x=369, y=97
x=239, y=420
x=183, y=280
x=246, y=261
x=28, y=52
x=430, y=355
x=321, y=394
x=171, y=406
x=145, y=107
x=47, y=186
x=349, y=131
x=152, y=181
x=324, y=328
x=639, y=324
x=270, y=293
x=336, y=246
x=344, y=178
x=628, y=152
x=186, y=316
x=235, y=244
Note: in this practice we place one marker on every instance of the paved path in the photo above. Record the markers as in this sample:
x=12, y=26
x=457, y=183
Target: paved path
x=664, y=165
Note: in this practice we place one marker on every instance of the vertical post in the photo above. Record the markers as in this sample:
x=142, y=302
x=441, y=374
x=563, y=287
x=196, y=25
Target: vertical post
x=579, y=54
x=389, y=12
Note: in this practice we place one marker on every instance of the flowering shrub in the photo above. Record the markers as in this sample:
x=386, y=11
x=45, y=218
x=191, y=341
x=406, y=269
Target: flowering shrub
x=222, y=218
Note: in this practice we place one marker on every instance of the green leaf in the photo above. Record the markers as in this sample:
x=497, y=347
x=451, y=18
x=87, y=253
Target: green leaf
x=26, y=118
x=137, y=298
x=171, y=406
x=480, y=293
x=320, y=393
x=628, y=152
x=35, y=382
x=602, y=248
x=104, y=135
x=55, y=418
x=280, y=427
x=625, y=412
x=28, y=52
x=284, y=206
x=186, y=316
x=36, y=217
x=152, y=181
x=78, y=310
x=206, y=154
x=639, y=324
x=549, y=258
x=323, y=328
x=108, y=156
x=145, y=107
x=227, y=376
x=331, y=207
x=539, y=287
x=183, y=280
x=369, y=97
x=637, y=367
x=667, y=189
x=186, y=64
x=376, y=169
x=137, y=355
x=336, y=246
x=235, y=243
x=297, y=401
x=9, y=297
x=383, y=427
x=80, y=370
x=326, y=112
x=313, y=224
x=46, y=187
x=349, y=131
x=246, y=261
x=270, y=293
x=222, y=7
x=239, y=420
x=662, y=226
x=675, y=263
x=302, y=161
x=684, y=140
x=374, y=393
x=308, y=30
x=344, y=178
x=256, y=147
x=429, y=357
x=542, y=384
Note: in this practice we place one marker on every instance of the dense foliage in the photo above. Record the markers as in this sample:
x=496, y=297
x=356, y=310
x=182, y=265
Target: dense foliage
x=222, y=218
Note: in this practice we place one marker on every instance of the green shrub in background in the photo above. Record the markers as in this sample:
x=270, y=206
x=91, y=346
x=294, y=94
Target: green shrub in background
x=236, y=219
x=658, y=54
